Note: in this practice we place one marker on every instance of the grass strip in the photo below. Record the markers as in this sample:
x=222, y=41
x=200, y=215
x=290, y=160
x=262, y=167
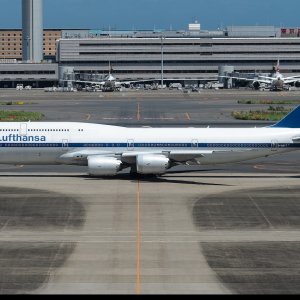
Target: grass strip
x=272, y=114
x=269, y=102
x=20, y=116
x=16, y=103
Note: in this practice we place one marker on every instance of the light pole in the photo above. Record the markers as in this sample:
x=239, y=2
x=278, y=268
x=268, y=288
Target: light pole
x=162, y=62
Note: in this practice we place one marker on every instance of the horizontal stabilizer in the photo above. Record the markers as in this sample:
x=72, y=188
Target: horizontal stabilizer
x=292, y=120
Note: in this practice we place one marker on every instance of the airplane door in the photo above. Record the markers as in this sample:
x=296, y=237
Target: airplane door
x=130, y=145
x=65, y=144
x=195, y=144
x=23, y=129
x=275, y=145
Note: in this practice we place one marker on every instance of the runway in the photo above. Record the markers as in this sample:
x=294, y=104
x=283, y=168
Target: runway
x=228, y=229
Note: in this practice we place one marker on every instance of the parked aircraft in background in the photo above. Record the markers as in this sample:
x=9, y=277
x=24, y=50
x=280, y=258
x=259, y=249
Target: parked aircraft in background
x=276, y=81
x=110, y=83
x=107, y=150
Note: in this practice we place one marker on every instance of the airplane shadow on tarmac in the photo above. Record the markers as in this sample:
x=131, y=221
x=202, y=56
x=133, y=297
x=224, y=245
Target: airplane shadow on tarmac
x=184, y=177
x=153, y=179
x=168, y=178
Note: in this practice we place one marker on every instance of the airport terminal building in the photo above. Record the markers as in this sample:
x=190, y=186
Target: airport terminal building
x=35, y=75
x=192, y=55
x=188, y=57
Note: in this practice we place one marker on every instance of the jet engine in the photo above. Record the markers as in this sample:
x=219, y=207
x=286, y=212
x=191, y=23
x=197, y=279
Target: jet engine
x=256, y=85
x=104, y=166
x=152, y=164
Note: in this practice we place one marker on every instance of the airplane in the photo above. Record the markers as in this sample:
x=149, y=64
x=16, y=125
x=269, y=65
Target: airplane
x=106, y=150
x=276, y=81
x=110, y=83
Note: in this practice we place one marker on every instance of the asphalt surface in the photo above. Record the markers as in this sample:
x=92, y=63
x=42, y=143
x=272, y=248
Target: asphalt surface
x=228, y=229
x=151, y=108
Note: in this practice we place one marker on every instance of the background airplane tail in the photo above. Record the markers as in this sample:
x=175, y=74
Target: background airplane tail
x=276, y=69
x=292, y=120
x=278, y=66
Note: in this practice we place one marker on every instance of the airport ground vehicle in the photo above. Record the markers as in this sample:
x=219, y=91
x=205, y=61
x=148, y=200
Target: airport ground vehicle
x=175, y=86
x=214, y=85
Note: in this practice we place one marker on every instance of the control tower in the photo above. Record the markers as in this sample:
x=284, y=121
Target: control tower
x=32, y=41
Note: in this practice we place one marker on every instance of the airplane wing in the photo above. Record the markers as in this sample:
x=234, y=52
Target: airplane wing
x=166, y=79
x=129, y=157
x=266, y=81
x=77, y=156
x=132, y=81
x=292, y=79
x=190, y=79
x=238, y=78
x=285, y=80
x=128, y=82
x=248, y=79
x=178, y=156
x=91, y=82
x=266, y=78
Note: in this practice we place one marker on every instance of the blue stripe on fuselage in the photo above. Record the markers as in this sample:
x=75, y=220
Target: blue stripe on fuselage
x=149, y=145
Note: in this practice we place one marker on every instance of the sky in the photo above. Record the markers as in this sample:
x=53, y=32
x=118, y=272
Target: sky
x=156, y=14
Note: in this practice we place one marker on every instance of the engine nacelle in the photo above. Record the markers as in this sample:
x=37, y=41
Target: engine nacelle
x=256, y=85
x=152, y=164
x=104, y=166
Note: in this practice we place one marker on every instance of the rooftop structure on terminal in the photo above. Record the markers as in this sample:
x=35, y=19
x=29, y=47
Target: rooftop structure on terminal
x=194, y=30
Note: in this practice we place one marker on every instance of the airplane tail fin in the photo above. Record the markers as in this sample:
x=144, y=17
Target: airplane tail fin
x=292, y=120
x=278, y=66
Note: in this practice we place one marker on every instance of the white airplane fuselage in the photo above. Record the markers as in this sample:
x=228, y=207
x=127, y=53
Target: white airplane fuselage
x=72, y=143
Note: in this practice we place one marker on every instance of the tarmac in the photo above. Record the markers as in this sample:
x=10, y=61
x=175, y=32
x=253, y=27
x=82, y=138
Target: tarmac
x=230, y=229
